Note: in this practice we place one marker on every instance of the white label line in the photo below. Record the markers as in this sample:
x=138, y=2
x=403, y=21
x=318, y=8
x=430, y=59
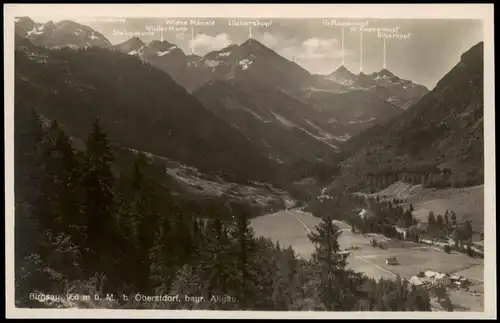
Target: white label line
x=192, y=40
x=342, y=46
x=384, y=55
x=360, y=51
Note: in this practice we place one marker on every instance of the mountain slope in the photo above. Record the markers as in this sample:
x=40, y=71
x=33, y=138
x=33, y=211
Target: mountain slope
x=64, y=33
x=444, y=130
x=356, y=107
x=161, y=54
x=395, y=90
x=285, y=128
x=262, y=70
x=140, y=106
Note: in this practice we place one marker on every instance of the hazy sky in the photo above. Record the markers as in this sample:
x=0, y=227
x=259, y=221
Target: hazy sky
x=431, y=47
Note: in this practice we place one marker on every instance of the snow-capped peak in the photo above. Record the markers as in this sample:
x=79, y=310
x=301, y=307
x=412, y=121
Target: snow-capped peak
x=162, y=53
x=37, y=30
x=211, y=63
x=245, y=63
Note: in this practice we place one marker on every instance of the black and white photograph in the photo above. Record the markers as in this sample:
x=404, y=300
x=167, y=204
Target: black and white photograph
x=250, y=160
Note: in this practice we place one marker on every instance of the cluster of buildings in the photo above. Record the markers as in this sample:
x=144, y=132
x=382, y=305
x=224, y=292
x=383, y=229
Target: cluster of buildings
x=432, y=279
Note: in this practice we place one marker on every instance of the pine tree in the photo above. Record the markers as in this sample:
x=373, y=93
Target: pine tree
x=431, y=223
x=187, y=282
x=98, y=203
x=453, y=218
x=184, y=249
x=217, y=270
x=164, y=262
x=28, y=169
x=142, y=217
x=244, y=252
x=422, y=300
x=59, y=202
x=440, y=222
x=330, y=264
x=467, y=230
x=407, y=219
x=446, y=221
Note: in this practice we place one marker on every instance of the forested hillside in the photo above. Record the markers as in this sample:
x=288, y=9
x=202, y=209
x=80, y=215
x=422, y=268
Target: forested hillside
x=141, y=106
x=437, y=142
x=96, y=233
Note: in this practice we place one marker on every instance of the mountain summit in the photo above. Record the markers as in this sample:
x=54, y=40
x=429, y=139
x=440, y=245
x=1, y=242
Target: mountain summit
x=131, y=46
x=384, y=73
x=65, y=33
x=251, y=60
x=343, y=76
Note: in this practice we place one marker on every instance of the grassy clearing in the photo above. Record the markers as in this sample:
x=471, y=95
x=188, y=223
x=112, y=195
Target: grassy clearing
x=464, y=301
x=475, y=273
x=413, y=260
x=286, y=228
x=468, y=203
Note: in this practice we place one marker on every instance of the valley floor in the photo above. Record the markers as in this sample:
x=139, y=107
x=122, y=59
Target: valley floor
x=290, y=227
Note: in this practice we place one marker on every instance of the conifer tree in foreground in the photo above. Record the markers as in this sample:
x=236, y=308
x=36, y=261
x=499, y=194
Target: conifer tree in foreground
x=145, y=240
x=244, y=254
x=28, y=169
x=218, y=272
x=98, y=203
x=330, y=265
x=60, y=205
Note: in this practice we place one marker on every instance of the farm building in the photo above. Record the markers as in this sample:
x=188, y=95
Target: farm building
x=438, y=279
x=391, y=261
x=430, y=279
x=458, y=280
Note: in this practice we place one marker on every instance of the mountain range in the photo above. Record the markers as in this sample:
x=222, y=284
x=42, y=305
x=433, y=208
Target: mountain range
x=245, y=112
x=252, y=62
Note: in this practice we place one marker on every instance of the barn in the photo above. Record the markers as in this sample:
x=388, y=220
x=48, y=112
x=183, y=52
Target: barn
x=391, y=261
